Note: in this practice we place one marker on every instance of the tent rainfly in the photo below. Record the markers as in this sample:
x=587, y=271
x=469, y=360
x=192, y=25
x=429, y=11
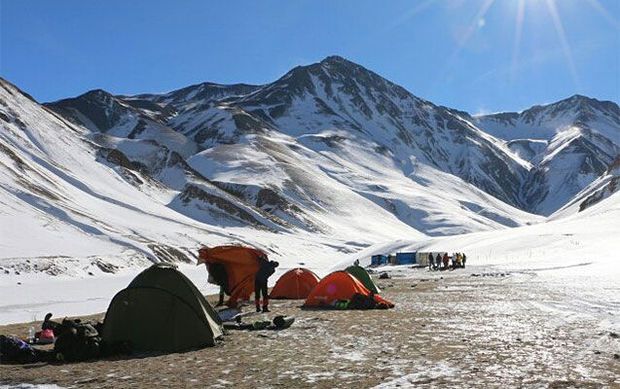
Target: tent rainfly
x=295, y=284
x=362, y=275
x=161, y=310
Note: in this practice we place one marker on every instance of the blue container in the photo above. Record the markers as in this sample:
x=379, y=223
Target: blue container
x=378, y=260
x=405, y=258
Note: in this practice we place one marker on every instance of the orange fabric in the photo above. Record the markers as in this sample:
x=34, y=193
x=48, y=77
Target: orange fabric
x=380, y=299
x=338, y=285
x=295, y=284
x=241, y=265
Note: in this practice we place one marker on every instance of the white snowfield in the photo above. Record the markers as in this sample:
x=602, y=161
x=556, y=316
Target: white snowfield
x=577, y=256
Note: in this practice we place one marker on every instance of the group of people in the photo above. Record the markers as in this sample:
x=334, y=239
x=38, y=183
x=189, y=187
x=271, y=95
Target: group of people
x=445, y=261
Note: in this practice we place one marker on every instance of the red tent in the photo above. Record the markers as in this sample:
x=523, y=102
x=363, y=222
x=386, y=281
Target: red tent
x=241, y=264
x=295, y=284
x=339, y=285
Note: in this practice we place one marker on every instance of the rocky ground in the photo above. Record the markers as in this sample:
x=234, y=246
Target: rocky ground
x=452, y=329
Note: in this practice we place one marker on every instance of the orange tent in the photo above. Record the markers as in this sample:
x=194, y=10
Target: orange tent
x=339, y=285
x=241, y=264
x=295, y=284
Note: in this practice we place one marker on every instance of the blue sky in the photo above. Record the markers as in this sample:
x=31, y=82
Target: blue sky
x=475, y=55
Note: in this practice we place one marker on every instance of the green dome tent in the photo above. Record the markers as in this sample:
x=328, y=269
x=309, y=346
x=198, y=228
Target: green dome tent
x=362, y=276
x=161, y=310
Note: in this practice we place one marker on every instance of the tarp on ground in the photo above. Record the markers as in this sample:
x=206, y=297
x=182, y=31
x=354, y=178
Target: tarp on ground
x=295, y=284
x=161, y=310
x=362, y=275
x=241, y=264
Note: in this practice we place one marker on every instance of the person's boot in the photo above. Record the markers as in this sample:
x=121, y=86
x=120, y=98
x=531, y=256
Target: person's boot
x=257, y=305
x=265, y=304
x=266, y=309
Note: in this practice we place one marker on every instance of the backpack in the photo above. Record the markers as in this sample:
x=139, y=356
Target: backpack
x=15, y=350
x=360, y=301
x=77, y=341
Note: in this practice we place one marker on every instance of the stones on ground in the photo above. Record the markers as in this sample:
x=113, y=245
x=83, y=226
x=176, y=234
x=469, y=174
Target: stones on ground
x=414, y=333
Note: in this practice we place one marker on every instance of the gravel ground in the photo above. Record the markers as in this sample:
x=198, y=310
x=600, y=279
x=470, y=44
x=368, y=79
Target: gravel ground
x=448, y=329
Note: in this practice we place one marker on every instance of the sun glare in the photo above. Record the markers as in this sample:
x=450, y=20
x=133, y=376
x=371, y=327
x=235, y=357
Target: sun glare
x=559, y=29
x=517, y=43
x=550, y=9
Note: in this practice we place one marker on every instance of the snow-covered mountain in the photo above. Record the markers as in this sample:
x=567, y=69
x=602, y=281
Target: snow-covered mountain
x=600, y=189
x=340, y=100
x=321, y=118
x=328, y=159
x=569, y=144
x=100, y=196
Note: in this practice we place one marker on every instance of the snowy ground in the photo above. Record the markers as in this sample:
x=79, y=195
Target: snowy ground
x=576, y=254
x=474, y=327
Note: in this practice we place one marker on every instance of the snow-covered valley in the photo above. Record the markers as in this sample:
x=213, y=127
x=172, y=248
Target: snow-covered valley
x=328, y=164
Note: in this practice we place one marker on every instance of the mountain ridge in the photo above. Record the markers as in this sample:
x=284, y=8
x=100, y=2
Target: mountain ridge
x=338, y=93
x=330, y=153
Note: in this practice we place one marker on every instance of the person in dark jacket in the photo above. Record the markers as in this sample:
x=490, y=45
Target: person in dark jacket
x=437, y=265
x=430, y=261
x=446, y=261
x=265, y=269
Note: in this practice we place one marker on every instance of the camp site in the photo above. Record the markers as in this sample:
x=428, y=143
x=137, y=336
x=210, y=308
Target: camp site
x=372, y=315
x=310, y=194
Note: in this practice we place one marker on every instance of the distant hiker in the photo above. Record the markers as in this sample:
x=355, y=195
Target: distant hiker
x=459, y=260
x=464, y=259
x=446, y=261
x=453, y=259
x=437, y=264
x=430, y=261
x=265, y=270
x=356, y=262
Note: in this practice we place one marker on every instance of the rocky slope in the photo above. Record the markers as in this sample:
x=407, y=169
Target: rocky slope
x=283, y=147
x=569, y=144
x=327, y=159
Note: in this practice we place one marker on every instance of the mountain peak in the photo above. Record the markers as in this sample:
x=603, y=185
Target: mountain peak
x=97, y=94
x=578, y=97
x=334, y=59
x=581, y=100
